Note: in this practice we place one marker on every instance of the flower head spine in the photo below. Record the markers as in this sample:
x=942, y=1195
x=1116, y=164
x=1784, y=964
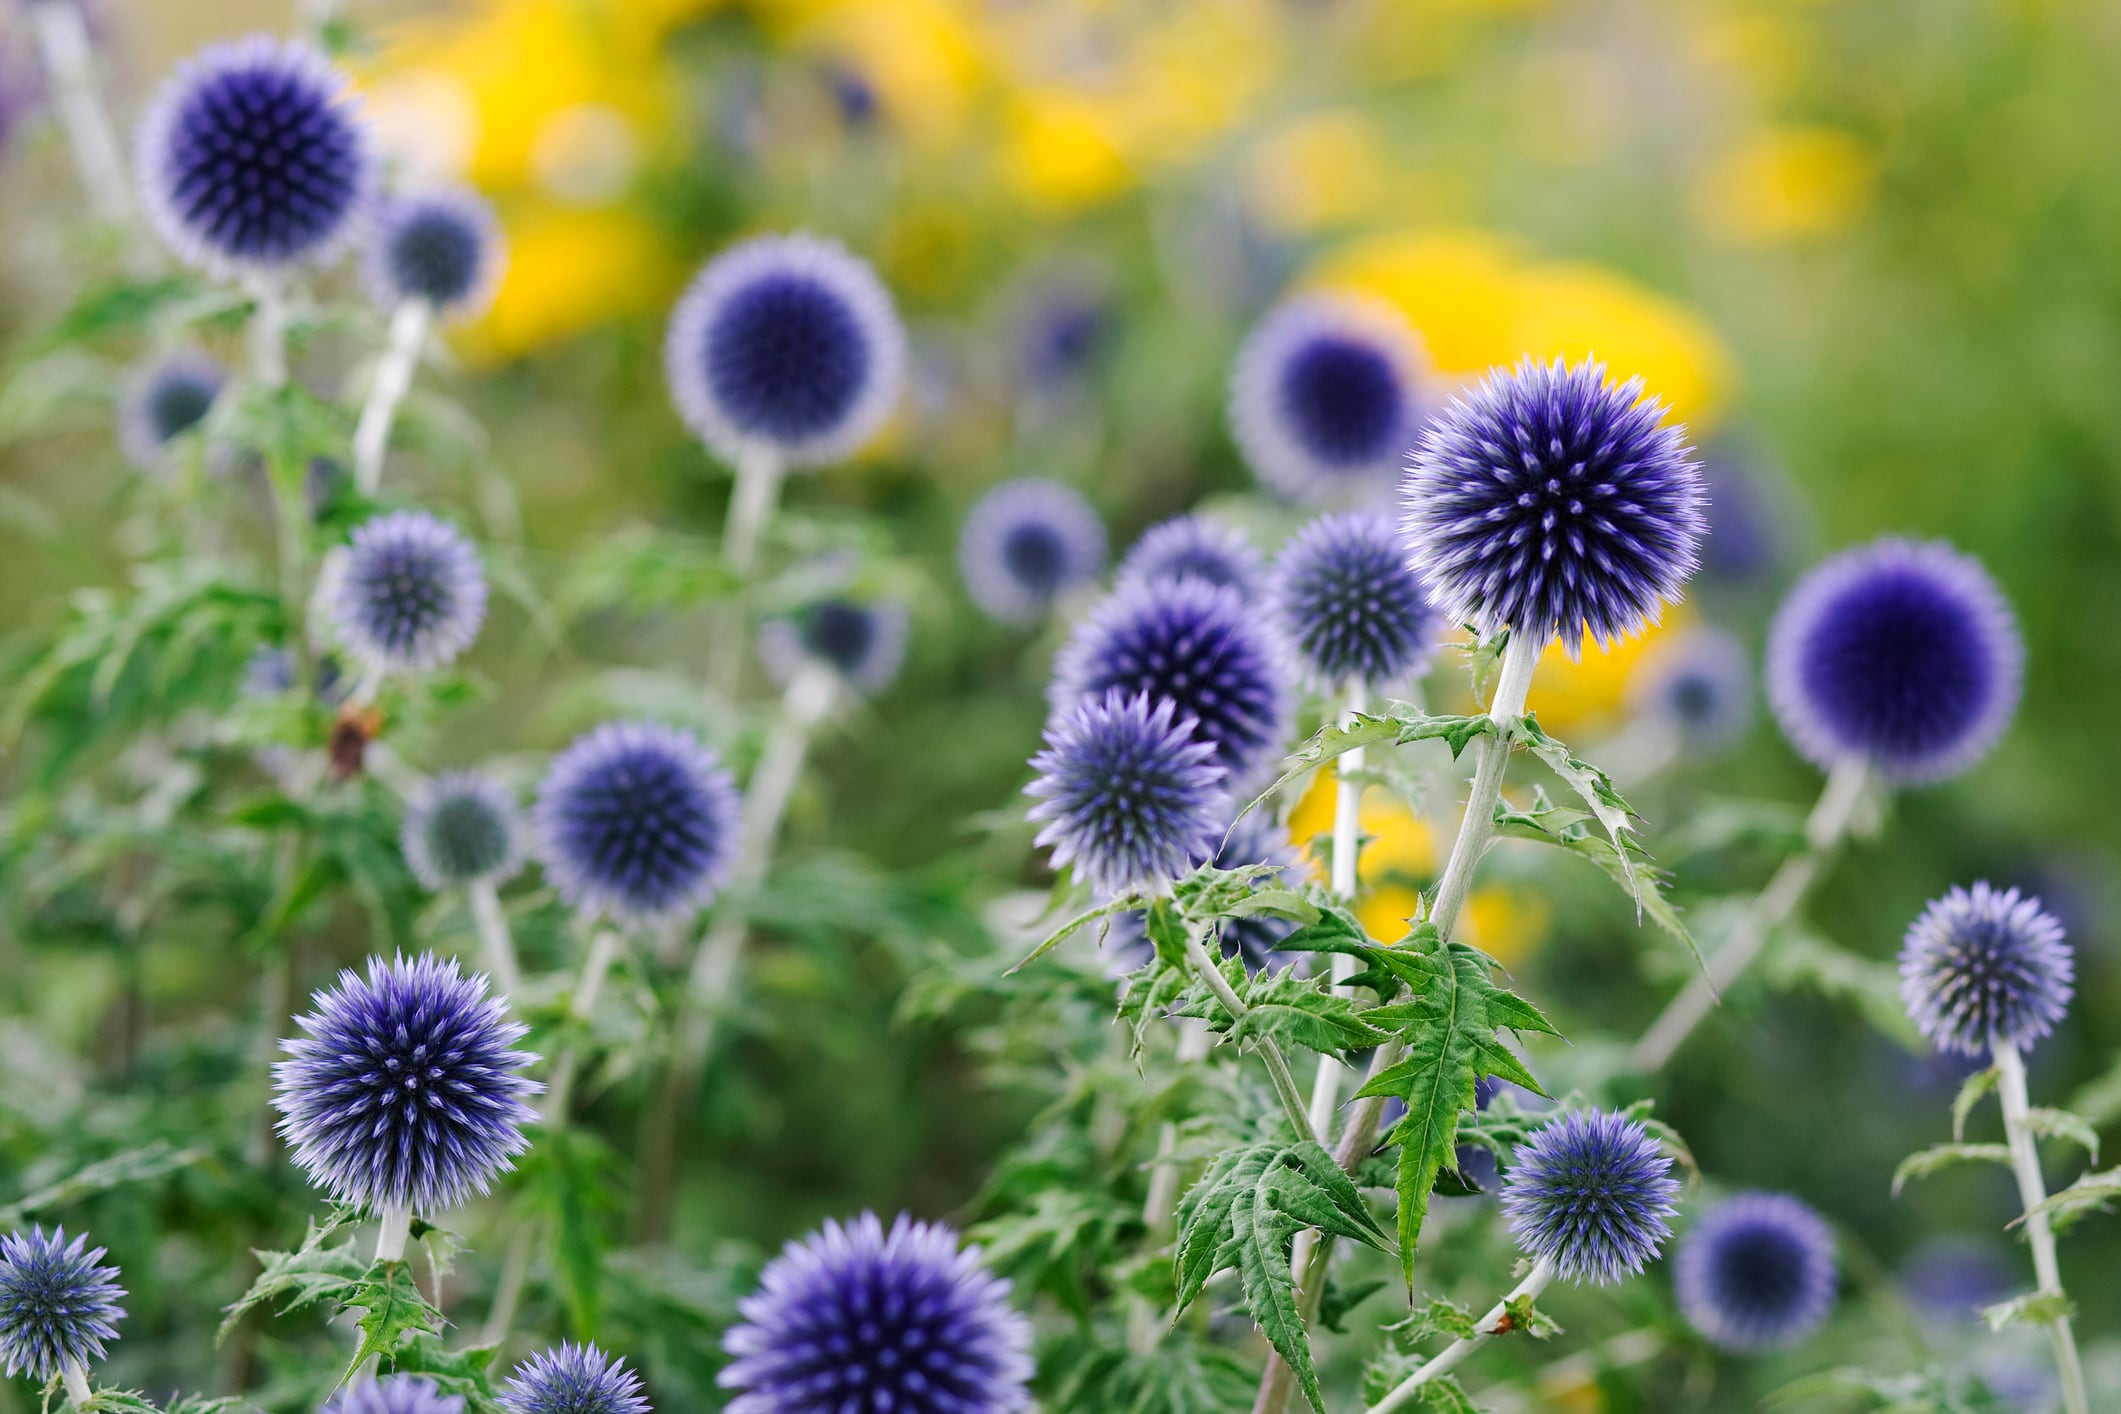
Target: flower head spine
x=57, y=1307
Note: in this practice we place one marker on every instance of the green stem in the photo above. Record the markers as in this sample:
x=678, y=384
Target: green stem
x=1292, y=1100
x=2039, y=1234
x=1453, y=1355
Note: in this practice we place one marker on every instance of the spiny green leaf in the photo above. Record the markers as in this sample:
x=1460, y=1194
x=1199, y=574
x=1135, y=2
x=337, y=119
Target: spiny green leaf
x=1970, y=1092
x=391, y=1309
x=1301, y=1011
x=1624, y=863
x=152, y=1160
x=1244, y=1215
x=1924, y=1162
x=2093, y=1193
x=464, y=1373
x=318, y=1271
x=1441, y=1317
x=2034, y=1308
x=1066, y=930
x=1521, y=1314
x=2061, y=1124
x=1444, y=1395
x=1450, y=1027
x=1399, y=725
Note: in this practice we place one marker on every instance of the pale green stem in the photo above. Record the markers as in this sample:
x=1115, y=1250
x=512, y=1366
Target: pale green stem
x=495, y=940
x=1270, y=1052
x=1403, y=1394
x=759, y=472
x=2039, y=1234
x=1824, y=831
x=268, y=332
x=76, y=1381
x=392, y=381
x=63, y=42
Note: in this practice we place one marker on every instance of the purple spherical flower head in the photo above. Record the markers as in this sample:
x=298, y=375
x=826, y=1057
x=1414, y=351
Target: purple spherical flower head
x=164, y=400
x=1196, y=547
x=855, y=1320
x=402, y=1091
x=865, y=644
x=785, y=342
x=1325, y=397
x=395, y=1394
x=1985, y=963
x=1025, y=544
x=637, y=820
x=57, y=1307
x=1348, y=605
x=1256, y=839
x=1590, y=1192
x=408, y=594
x=462, y=828
x=1554, y=502
x=1899, y=653
x=252, y=158
x=1756, y=1271
x=1697, y=684
x=1202, y=647
x=573, y=1379
x=441, y=247
x=1130, y=794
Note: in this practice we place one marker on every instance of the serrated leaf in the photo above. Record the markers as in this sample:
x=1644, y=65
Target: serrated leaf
x=1125, y=904
x=464, y=1373
x=2092, y=1193
x=1244, y=1215
x=1625, y=863
x=2034, y=1308
x=318, y=1271
x=1451, y=1029
x=1440, y=1317
x=391, y=1309
x=1444, y=1395
x=1980, y=1083
x=1399, y=725
x=1924, y=1162
x=153, y=1160
x=1522, y=1314
x=1301, y=1011
x=2061, y=1124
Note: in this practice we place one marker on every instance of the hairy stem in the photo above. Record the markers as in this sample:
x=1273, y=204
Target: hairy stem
x=758, y=485
x=1292, y=1100
x=63, y=44
x=268, y=332
x=393, y=1231
x=495, y=941
x=2039, y=1235
x=1824, y=831
x=393, y=380
x=603, y=952
x=1494, y=1323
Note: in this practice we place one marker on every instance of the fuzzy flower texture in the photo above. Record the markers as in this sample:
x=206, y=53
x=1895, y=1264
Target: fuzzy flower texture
x=408, y=595
x=1349, y=606
x=1195, y=547
x=1555, y=503
x=1986, y=964
x=1025, y=544
x=462, y=828
x=858, y=1320
x=442, y=248
x=573, y=1379
x=1756, y=1272
x=404, y=1092
x=1325, y=397
x=1591, y=1192
x=57, y=1307
x=395, y=1394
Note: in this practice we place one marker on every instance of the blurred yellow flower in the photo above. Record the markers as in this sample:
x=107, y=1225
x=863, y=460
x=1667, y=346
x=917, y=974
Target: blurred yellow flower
x=1323, y=170
x=1785, y=183
x=1586, y=698
x=1458, y=287
x=926, y=59
x=1508, y=924
x=1384, y=911
x=1768, y=52
x=1060, y=152
x=1577, y=311
x=1398, y=852
x=569, y=269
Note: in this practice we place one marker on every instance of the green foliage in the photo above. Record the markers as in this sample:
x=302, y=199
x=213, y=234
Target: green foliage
x=1929, y=1391
x=1095, y=1373
x=2034, y=1308
x=1244, y=1215
x=1924, y=1162
x=2092, y=1193
x=320, y=1271
x=392, y=1308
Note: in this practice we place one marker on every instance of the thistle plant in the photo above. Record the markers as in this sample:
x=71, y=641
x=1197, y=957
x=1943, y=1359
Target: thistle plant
x=1196, y=546
x=573, y=1379
x=57, y=1307
x=1026, y=546
x=463, y=830
x=1756, y=1271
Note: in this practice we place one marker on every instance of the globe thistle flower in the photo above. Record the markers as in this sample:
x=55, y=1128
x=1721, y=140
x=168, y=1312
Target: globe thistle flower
x=1749, y=530
x=1199, y=547
x=1348, y=605
x=1984, y=964
x=402, y=1093
x=855, y=1318
x=637, y=820
x=395, y=1394
x=1899, y=653
x=1757, y=1271
x=1256, y=839
x=1025, y=544
x=1195, y=644
x=1066, y=327
x=1129, y=791
x=57, y=1307
x=573, y=1379
x=462, y=828
x=1590, y=1192
x=1697, y=685
x=408, y=595
x=785, y=342
x=864, y=643
x=1324, y=399
x=252, y=158
x=1554, y=502
x=163, y=401
x=441, y=248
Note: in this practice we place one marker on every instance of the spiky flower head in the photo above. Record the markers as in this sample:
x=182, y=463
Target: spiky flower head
x=1983, y=964
x=395, y=1394
x=163, y=400
x=1756, y=1271
x=864, y=643
x=1027, y=543
x=1552, y=501
x=1697, y=684
x=1348, y=605
x=785, y=342
x=1901, y=653
x=1196, y=546
x=637, y=820
x=1130, y=793
x=253, y=158
x=573, y=1379
x=1591, y=1191
x=442, y=247
x=403, y=1090
x=57, y=1307
x=408, y=594
x=462, y=828
x=1199, y=646
x=857, y=1320
x=1325, y=397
